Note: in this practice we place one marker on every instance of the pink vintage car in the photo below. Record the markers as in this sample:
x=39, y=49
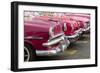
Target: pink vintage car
x=71, y=30
x=83, y=20
x=43, y=38
x=70, y=27
x=86, y=15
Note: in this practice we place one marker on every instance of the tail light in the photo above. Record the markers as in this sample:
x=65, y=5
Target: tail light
x=72, y=26
x=52, y=28
x=79, y=23
x=86, y=25
x=55, y=29
x=51, y=31
x=65, y=27
x=76, y=26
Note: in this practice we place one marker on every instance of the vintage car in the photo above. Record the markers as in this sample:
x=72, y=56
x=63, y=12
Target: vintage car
x=70, y=27
x=83, y=20
x=86, y=15
x=71, y=30
x=43, y=38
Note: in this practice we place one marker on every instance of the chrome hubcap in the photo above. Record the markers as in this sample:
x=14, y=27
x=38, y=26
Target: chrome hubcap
x=26, y=54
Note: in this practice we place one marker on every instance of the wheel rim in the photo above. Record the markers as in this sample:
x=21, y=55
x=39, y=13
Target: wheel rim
x=26, y=54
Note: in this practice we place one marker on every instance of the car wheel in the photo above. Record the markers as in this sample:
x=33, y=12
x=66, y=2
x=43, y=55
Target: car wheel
x=29, y=53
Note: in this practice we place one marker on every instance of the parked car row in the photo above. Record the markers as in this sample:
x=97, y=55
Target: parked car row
x=46, y=35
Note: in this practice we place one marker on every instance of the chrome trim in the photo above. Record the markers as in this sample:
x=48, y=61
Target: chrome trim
x=88, y=23
x=46, y=52
x=86, y=29
x=56, y=36
x=28, y=54
x=51, y=31
x=77, y=34
x=73, y=36
x=79, y=31
x=65, y=27
x=33, y=37
x=72, y=25
x=54, y=41
x=58, y=49
x=85, y=25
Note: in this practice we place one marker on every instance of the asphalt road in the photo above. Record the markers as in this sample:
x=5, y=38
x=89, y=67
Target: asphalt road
x=78, y=50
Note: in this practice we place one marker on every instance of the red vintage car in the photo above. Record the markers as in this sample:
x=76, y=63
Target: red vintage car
x=43, y=38
x=70, y=27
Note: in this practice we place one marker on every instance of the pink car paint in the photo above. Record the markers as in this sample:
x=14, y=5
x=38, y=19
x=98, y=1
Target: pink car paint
x=86, y=15
x=73, y=30
x=84, y=20
x=37, y=33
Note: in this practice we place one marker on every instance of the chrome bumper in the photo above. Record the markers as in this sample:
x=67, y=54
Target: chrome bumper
x=48, y=52
x=74, y=37
x=79, y=31
x=86, y=29
x=54, y=51
x=54, y=41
